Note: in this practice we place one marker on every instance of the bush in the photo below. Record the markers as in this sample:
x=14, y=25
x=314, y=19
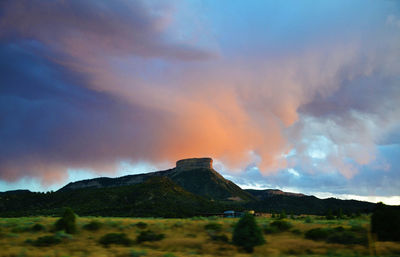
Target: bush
x=317, y=234
x=247, y=234
x=220, y=238
x=115, y=238
x=385, y=222
x=93, y=226
x=346, y=237
x=213, y=227
x=308, y=220
x=337, y=235
x=329, y=215
x=46, y=241
x=270, y=230
x=38, y=227
x=141, y=225
x=62, y=235
x=358, y=228
x=67, y=222
x=296, y=231
x=281, y=225
x=149, y=235
x=282, y=215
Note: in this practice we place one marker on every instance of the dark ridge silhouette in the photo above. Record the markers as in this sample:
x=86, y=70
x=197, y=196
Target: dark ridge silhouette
x=192, y=188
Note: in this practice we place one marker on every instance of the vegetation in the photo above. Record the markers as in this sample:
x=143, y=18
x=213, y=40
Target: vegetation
x=282, y=215
x=385, y=222
x=281, y=225
x=149, y=235
x=38, y=227
x=247, y=234
x=141, y=225
x=46, y=241
x=189, y=237
x=67, y=222
x=115, y=238
x=338, y=235
x=93, y=225
x=213, y=226
x=185, y=194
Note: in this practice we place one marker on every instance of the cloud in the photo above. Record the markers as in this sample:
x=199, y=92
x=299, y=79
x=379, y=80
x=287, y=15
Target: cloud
x=89, y=84
x=85, y=29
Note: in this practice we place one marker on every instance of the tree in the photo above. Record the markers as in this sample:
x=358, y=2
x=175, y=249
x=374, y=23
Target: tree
x=385, y=222
x=282, y=215
x=247, y=234
x=329, y=215
x=67, y=222
x=340, y=214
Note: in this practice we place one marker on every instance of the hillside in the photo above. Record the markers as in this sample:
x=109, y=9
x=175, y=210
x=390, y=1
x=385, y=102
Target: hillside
x=156, y=197
x=192, y=188
x=276, y=201
x=195, y=175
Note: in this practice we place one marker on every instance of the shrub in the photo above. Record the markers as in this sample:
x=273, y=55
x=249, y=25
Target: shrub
x=93, y=225
x=329, y=215
x=385, y=222
x=67, y=222
x=340, y=214
x=20, y=229
x=281, y=225
x=270, y=230
x=62, y=235
x=346, y=237
x=282, y=215
x=46, y=241
x=149, y=235
x=38, y=227
x=220, y=238
x=358, y=228
x=141, y=225
x=308, y=220
x=213, y=227
x=317, y=234
x=115, y=238
x=336, y=235
x=296, y=231
x=247, y=234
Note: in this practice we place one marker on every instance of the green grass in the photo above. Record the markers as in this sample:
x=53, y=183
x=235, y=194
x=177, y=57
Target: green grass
x=185, y=237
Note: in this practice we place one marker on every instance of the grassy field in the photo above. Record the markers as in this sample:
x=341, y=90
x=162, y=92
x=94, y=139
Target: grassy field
x=186, y=237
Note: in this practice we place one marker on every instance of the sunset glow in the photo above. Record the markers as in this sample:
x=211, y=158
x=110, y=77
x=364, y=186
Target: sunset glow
x=281, y=94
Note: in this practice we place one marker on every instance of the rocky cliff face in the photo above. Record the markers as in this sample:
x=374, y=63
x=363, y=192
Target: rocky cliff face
x=194, y=163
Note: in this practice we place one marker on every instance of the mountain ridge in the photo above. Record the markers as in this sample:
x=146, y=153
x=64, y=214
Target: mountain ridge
x=196, y=175
x=192, y=188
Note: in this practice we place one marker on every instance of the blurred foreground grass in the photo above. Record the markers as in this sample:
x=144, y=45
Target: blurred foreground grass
x=182, y=237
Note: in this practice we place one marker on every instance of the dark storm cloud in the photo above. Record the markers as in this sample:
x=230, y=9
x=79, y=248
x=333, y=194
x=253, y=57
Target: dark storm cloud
x=48, y=121
x=88, y=27
x=86, y=84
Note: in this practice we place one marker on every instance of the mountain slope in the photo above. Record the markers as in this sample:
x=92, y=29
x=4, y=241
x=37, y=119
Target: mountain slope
x=192, y=188
x=195, y=175
x=265, y=193
x=156, y=197
x=276, y=201
x=210, y=184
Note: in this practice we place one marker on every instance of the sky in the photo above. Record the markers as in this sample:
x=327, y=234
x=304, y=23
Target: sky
x=302, y=96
